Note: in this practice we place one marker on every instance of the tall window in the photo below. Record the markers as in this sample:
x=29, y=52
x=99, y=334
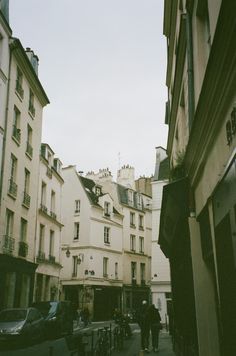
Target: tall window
x=51, y=243
x=9, y=223
x=41, y=238
x=77, y=206
x=142, y=272
x=13, y=168
x=19, y=83
x=141, y=222
x=29, y=148
x=27, y=181
x=132, y=219
x=141, y=244
x=43, y=194
x=139, y=201
x=75, y=266
x=76, y=232
x=31, y=103
x=105, y=267
x=116, y=270
x=23, y=230
x=133, y=270
x=107, y=209
x=106, y=235
x=130, y=197
x=53, y=201
x=132, y=243
x=16, y=133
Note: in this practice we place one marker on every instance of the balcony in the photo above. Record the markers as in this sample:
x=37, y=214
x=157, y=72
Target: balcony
x=132, y=225
x=23, y=249
x=32, y=109
x=19, y=89
x=8, y=244
x=49, y=172
x=43, y=208
x=134, y=282
x=41, y=256
x=16, y=134
x=107, y=215
x=26, y=200
x=12, y=189
x=53, y=215
x=29, y=149
x=141, y=227
x=51, y=259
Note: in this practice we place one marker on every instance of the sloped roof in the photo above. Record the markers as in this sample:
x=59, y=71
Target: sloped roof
x=88, y=185
x=164, y=170
x=123, y=197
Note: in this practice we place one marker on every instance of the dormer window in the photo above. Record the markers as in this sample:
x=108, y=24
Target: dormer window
x=139, y=201
x=131, y=197
x=98, y=190
x=107, y=209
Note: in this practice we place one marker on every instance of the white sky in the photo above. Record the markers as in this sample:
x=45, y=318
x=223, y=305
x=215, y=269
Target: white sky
x=102, y=65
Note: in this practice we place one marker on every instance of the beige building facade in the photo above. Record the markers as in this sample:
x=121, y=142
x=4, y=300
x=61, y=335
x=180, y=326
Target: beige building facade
x=201, y=115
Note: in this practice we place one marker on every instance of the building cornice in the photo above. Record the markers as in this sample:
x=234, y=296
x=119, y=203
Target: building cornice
x=106, y=221
x=91, y=248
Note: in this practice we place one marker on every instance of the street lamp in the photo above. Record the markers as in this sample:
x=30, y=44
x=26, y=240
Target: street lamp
x=68, y=252
x=80, y=258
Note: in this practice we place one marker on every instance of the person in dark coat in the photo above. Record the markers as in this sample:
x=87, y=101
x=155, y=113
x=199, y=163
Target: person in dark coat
x=155, y=324
x=144, y=323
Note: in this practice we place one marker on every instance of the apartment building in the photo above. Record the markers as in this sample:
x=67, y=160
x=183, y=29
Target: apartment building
x=137, y=226
x=160, y=269
x=91, y=250
x=198, y=220
x=20, y=172
x=49, y=226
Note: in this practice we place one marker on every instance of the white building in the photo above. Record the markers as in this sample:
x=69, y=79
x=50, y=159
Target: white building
x=136, y=246
x=160, y=269
x=20, y=173
x=48, y=233
x=91, y=251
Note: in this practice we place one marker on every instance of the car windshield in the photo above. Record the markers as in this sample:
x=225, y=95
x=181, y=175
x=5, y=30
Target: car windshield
x=13, y=315
x=46, y=307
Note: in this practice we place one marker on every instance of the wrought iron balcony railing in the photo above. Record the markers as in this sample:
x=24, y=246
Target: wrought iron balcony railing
x=43, y=208
x=8, y=244
x=53, y=215
x=23, y=249
x=26, y=199
x=12, y=188
x=41, y=256
x=51, y=259
x=32, y=109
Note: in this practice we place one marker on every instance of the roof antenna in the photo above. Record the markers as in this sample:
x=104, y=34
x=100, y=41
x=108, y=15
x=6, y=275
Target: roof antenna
x=118, y=160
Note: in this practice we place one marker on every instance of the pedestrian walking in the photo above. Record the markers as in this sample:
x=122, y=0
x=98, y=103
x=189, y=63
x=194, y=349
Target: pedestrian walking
x=144, y=323
x=155, y=325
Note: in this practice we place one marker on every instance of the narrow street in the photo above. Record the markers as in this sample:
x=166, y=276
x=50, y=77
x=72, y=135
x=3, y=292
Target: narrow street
x=63, y=348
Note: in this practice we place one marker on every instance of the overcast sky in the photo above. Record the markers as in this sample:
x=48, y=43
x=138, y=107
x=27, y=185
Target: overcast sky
x=102, y=65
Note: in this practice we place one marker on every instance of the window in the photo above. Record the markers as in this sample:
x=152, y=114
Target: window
x=51, y=243
x=105, y=267
x=29, y=148
x=139, y=201
x=43, y=197
x=77, y=206
x=132, y=219
x=76, y=231
x=107, y=209
x=141, y=244
x=141, y=222
x=132, y=243
x=98, y=190
x=9, y=223
x=23, y=230
x=16, y=133
x=12, y=190
x=75, y=266
x=53, y=204
x=130, y=197
x=116, y=270
x=133, y=270
x=26, y=196
x=19, y=83
x=31, y=103
x=41, y=238
x=106, y=235
x=142, y=272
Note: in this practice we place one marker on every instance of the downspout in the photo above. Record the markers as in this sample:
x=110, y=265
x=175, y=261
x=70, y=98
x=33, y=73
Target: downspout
x=5, y=124
x=191, y=101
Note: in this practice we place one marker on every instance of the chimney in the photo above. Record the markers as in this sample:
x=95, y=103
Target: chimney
x=4, y=7
x=125, y=176
x=33, y=59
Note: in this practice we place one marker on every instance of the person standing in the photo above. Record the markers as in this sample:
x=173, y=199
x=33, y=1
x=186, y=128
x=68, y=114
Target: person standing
x=155, y=324
x=144, y=323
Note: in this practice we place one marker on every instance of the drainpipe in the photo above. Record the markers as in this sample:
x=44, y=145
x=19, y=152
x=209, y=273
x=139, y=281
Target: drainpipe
x=191, y=103
x=5, y=124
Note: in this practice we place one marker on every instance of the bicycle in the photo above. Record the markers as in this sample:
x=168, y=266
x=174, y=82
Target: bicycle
x=103, y=344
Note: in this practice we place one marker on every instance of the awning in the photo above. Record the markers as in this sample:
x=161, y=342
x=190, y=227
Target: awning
x=174, y=208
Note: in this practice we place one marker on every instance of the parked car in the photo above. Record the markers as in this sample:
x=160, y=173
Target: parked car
x=21, y=324
x=58, y=316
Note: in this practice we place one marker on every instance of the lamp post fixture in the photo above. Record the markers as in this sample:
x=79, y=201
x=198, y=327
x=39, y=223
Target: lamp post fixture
x=68, y=252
